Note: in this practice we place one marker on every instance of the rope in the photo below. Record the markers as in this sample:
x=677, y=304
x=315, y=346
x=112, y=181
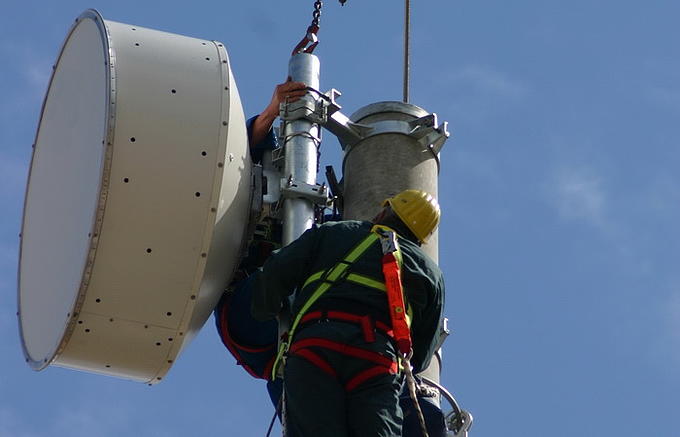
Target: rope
x=411, y=383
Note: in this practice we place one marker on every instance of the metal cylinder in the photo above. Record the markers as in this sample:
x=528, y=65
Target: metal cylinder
x=301, y=148
x=381, y=166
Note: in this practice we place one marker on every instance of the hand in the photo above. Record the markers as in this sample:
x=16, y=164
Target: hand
x=290, y=90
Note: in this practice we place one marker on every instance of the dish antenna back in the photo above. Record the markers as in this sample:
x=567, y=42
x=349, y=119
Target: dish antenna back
x=137, y=201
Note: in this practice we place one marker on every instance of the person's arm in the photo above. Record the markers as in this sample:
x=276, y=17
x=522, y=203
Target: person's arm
x=425, y=292
x=431, y=332
x=257, y=150
x=285, y=270
x=262, y=125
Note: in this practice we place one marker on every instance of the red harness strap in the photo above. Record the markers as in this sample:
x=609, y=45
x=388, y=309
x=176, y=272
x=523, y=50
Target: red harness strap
x=315, y=359
x=395, y=300
x=365, y=375
x=383, y=365
x=366, y=322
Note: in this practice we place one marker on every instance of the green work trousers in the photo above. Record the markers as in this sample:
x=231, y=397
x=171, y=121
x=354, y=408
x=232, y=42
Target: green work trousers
x=326, y=400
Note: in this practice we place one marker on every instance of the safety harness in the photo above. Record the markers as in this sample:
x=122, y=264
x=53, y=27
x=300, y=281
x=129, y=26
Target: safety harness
x=399, y=331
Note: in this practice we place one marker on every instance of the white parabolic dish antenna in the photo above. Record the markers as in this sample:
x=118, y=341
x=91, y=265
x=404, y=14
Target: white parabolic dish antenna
x=137, y=201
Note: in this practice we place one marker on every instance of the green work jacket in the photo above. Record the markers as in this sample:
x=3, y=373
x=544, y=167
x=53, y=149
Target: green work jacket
x=319, y=249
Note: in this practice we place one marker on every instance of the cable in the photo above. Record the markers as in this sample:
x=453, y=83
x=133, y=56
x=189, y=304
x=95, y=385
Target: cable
x=407, y=48
x=271, y=424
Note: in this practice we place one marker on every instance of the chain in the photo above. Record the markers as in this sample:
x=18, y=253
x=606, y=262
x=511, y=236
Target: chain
x=317, y=12
x=310, y=40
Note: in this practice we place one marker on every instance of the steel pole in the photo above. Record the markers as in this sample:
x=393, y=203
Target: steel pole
x=381, y=166
x=301, y=149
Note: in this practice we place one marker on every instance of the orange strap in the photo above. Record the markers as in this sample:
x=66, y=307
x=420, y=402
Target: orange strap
x=395, y=300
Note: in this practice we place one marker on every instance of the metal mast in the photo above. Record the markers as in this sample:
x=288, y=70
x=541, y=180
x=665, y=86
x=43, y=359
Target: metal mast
x=407, y=48
x=302, y=139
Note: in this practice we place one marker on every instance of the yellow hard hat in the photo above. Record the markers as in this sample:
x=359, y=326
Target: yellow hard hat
x=418, y=210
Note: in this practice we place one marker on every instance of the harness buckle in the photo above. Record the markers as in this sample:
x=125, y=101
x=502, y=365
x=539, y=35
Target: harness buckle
x=388, y=240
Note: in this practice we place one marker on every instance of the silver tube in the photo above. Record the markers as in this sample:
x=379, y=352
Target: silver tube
x=301, y=151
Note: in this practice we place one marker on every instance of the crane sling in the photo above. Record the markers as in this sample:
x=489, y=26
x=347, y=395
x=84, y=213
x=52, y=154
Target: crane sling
x=400, y=318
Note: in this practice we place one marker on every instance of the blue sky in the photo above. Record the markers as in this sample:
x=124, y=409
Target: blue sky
x=560, y=189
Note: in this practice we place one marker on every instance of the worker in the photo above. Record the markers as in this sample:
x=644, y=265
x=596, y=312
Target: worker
x=341, y=373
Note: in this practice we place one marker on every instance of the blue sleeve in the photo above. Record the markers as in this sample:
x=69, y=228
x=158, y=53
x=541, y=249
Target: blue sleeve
x=269, y=142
